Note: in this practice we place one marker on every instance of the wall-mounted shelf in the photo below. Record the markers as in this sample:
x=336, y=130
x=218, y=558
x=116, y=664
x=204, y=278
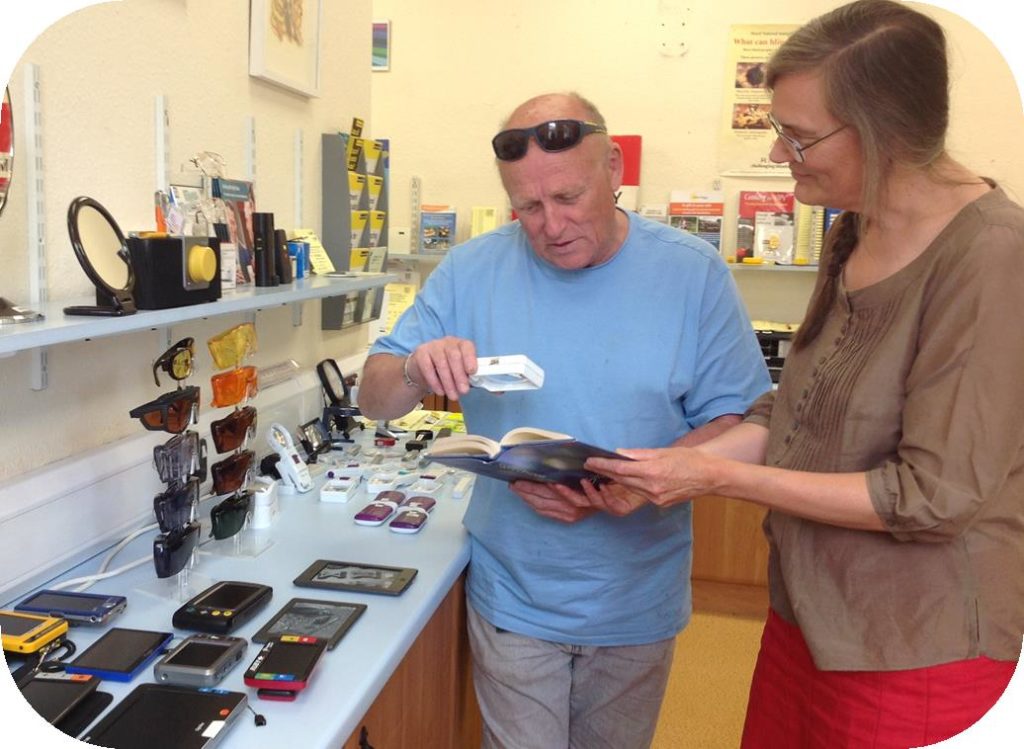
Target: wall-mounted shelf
x=407, y=257
x=60, y=328
x=772, y=268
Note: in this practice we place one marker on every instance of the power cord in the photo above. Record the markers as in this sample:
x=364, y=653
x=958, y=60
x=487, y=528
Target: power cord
x=258, y=719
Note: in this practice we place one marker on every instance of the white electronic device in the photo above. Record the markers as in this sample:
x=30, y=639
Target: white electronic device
x=294, y=472
x=339, y=490
x=462, y=486
x=500, y=374
x=426, y=485
x=388, y=480
x=348, y=470
x=265, y=504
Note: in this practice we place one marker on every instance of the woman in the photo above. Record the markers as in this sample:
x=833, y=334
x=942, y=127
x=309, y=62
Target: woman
x=892, y=456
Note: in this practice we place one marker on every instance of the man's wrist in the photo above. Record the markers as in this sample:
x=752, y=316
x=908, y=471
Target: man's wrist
x=409, y=381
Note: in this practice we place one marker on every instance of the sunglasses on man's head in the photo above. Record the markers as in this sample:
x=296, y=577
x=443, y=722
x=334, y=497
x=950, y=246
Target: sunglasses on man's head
x=231, y=432
x=176, y=507
x=172, y=412
x=172, y=551
x=230, y=348
x=229, y=517
x=176, y=361
x=233, y=473
x=234, y=386
x=551, y=136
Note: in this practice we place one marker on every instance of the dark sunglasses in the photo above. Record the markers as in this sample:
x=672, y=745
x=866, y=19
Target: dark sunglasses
x=176, y=361
x=180, y=458
x=229, y=517
x=233, y=473
x=551, y=136
x=175, y=508
x=172, y=551
x=231, y=432
x=171, y=412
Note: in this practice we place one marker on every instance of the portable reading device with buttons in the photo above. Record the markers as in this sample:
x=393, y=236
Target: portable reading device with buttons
x=294, y=472
x=284, y=665
x=222, y=607
x=29, y=633
x=200, y=660
x=77, y=608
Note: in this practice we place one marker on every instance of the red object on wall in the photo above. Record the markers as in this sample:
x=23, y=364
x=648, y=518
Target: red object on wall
x=630, y=191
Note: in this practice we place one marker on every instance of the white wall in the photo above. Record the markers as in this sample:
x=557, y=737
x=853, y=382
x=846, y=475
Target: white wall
x=459, y=67
x=100, y=70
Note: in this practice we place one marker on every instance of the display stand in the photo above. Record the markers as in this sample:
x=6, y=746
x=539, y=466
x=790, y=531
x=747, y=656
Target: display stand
x=355, y=174
x=248, y=543
x=184, y=586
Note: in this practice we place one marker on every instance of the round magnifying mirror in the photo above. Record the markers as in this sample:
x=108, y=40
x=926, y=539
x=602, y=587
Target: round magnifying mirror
x=100, y=248
x=335, y=390
x=9, y=313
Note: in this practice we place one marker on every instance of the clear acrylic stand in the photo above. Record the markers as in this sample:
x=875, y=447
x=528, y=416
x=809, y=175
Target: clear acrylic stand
x=248, y=543
x=184, y=586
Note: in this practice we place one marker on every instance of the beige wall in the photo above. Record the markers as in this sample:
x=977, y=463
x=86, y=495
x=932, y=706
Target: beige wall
x=100, y=70
x=456, y=74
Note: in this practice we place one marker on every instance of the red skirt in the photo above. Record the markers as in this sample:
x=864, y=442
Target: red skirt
x=793, y=705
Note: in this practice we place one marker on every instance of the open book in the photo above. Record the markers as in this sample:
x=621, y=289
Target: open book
x=524, y=453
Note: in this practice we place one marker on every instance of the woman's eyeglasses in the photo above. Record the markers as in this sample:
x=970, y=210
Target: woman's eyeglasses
x=234, y=386
x=233, y=473
x=176, y=361
x=551, y=136
x=795, y=146
x=172, y=551
x=176, y=507
x=230, y=348
x=231, y=432
x=180, y=458
x=172, y=412
x=229, y=517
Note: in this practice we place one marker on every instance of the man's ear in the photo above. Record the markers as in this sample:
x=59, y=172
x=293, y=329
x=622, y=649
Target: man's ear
x=615, y=165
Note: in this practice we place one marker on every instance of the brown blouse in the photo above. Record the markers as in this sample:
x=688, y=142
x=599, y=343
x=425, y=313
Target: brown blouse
x=919, y=381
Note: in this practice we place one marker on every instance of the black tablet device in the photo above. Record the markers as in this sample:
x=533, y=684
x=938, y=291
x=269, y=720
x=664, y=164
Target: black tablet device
x=353, y=576
x=55, y=695
x=161, y=716
x=222, y=607
x=120, y=654
x=324, y=620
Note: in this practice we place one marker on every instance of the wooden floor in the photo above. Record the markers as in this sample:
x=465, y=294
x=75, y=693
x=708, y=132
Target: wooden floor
x=730, y=599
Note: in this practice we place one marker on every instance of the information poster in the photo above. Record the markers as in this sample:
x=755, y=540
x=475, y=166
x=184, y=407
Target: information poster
x=747, y=136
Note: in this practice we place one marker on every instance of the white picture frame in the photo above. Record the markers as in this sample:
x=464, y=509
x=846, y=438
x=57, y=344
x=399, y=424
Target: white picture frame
x=284, y=43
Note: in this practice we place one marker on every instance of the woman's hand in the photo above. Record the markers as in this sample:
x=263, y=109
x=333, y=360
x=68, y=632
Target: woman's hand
x=663, y=476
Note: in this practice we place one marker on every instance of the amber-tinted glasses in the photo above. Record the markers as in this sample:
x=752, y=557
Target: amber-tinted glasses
x=176, y=361
x=172, y=412
x=234, y=386
x=230, y=348
x=233, y=473
x=231, y=432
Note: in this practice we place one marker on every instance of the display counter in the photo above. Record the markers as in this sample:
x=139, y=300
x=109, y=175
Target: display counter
x=416, y=639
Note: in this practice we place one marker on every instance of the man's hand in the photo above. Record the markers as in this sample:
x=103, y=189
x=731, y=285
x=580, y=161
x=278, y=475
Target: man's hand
x=443, y=366
x=548, y=500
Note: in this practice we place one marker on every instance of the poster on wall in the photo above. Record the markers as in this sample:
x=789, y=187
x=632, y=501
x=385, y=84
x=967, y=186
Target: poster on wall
x=284, y=43
x=747, y=136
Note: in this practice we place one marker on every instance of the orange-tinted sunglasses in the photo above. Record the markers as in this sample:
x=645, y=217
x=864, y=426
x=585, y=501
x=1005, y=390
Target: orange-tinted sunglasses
x=171, y=412
x=234, y=386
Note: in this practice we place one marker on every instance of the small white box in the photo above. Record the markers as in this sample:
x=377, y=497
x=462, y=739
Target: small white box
x=502, y=373
x=339, y=490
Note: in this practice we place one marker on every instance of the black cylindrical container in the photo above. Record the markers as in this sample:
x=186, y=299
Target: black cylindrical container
x=265, y=249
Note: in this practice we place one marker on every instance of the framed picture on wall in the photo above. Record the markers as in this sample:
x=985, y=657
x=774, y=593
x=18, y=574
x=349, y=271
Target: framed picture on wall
x=284, y=43
x=381, y=46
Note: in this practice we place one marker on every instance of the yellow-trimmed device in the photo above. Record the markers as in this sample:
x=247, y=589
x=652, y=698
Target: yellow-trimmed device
x=29, y=633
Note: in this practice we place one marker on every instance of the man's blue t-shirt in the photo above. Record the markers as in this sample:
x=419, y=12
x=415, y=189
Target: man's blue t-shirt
x=636, y=352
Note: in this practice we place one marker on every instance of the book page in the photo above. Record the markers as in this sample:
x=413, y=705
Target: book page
x=521, y=435
x=463, y=444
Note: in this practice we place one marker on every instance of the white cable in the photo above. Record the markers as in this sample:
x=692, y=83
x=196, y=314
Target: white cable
x=88, y=580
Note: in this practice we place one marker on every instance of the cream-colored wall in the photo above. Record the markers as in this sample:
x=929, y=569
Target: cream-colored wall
x=456, y=74
x=100, y=70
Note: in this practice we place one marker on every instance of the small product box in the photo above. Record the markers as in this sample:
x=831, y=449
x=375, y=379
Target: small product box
x=503, y=373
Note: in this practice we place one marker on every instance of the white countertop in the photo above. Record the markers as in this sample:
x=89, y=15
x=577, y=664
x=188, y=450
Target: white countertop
x=349, y=678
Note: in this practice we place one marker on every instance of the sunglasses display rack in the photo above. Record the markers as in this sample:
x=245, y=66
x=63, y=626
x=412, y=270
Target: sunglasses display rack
x=180, y=463
x=228, y=529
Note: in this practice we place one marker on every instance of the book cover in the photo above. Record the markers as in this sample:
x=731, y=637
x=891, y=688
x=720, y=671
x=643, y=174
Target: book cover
x=772, y=231
x=522, y=454
x=437, y=231
x=238, y=204
x=699, y=213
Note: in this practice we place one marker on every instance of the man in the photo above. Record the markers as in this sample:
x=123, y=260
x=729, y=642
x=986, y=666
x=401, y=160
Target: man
x=642, y=340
